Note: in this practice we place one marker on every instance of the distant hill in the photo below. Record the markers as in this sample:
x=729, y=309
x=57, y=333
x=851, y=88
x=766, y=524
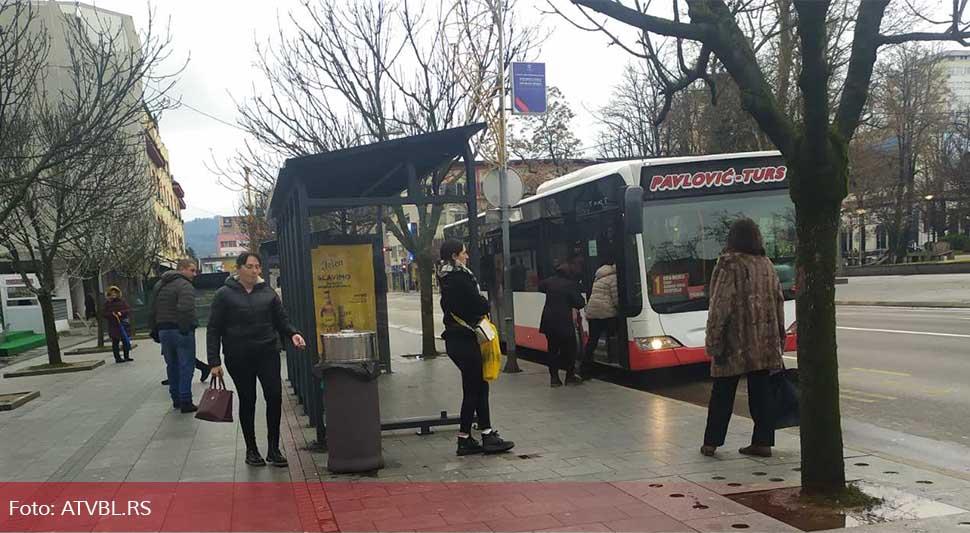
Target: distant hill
x=200, y=235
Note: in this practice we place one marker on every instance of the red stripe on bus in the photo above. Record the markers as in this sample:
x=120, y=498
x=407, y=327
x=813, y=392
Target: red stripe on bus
x=639, y=359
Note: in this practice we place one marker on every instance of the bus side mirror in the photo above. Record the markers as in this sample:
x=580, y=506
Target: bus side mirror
x=633, y=210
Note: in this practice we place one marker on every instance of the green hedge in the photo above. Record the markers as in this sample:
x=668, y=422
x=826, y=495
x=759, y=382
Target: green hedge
x=959, y=241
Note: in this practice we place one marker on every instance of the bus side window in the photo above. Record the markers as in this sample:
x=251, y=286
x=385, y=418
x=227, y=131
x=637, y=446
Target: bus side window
x=524, y=261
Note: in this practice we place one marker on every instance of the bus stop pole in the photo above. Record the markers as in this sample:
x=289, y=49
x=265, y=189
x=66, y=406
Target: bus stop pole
x=508, y=303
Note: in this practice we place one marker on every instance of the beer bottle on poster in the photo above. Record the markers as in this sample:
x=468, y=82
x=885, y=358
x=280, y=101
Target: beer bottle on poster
x=328, y=316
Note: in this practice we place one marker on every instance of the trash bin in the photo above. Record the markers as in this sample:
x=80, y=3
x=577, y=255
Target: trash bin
x=349, y=368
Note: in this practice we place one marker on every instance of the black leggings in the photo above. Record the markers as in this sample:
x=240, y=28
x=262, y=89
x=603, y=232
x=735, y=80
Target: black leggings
x=467, y=356
x=116, y=346
x=721, y=408
x=597, y=327
x=244, y=370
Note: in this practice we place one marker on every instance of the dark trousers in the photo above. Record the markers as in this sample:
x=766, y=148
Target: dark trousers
x=467, y=356
x=721, y=408
x=562, y=354
x=597, y=327
x=116, y=346
x=245, y=369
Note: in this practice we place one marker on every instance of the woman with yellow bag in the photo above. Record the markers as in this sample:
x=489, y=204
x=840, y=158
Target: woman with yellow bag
x=465, y=311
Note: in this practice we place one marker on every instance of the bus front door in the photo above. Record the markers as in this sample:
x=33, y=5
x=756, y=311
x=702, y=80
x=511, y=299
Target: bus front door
x=602, y=237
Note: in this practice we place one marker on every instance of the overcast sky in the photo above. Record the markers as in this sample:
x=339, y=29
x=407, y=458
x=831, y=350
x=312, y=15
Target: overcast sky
x=217, y=37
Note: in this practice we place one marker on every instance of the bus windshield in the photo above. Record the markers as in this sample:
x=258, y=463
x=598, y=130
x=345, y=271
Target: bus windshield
x=683, y=238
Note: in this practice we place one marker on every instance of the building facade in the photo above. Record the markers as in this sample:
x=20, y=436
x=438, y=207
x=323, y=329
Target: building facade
x=231, y=239
x=56, y=19
x=955, y=65
x=169, y=198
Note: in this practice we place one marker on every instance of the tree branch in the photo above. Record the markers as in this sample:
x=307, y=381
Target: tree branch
x=814, y=77
x=859, y=77
x=734, y=50
x=650, y=23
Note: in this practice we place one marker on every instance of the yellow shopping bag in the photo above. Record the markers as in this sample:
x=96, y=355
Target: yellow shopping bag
x=487, y=335
x=491, y=354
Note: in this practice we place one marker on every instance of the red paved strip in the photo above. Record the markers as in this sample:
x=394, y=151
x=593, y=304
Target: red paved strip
x=365, y=507
x=314, y=508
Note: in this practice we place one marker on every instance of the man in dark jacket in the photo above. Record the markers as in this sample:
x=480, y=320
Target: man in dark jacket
x=562, y=297
x=173, y=322
x=247, y=320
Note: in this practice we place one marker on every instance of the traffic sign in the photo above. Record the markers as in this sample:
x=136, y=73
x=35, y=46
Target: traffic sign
x=491, y=187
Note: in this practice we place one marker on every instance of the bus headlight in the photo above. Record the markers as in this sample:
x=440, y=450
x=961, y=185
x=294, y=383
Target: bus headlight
x=792, y=329
x=656, y=343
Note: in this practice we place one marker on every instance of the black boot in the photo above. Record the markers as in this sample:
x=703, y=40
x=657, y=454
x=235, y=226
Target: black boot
x=468, y=446
x=493, y=443
x=554, y=380
x=276, y=458
x=573, y=379
x=205, y=374
x=253, y=458
x=189, y=407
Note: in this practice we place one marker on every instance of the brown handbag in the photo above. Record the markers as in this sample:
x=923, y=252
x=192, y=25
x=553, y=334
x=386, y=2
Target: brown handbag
x=216, y=403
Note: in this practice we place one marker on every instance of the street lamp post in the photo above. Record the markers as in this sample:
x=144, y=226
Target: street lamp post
x=508, y=303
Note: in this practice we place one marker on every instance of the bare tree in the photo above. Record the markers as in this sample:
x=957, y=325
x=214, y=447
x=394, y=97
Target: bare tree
x=548, y=135
x=129, y=244
x=816, y=151
x=82, y=149
x=354, y=73
x=950, y=167
x=24, y=48
x=910, y=103
x=632, y=123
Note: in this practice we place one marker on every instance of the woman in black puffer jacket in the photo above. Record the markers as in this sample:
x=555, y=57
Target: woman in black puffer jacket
x=247, y=319
x=463, y=307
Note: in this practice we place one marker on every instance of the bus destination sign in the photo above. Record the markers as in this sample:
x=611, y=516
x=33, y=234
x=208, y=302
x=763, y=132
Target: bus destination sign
x=695, y=179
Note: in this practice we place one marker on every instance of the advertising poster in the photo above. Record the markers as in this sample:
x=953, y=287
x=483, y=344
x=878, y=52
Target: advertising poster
x=344, y=292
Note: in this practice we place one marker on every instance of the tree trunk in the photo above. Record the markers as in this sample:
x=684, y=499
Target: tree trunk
x=817, y=221
x=45, y=298
x=92, y=288
x=425, y=273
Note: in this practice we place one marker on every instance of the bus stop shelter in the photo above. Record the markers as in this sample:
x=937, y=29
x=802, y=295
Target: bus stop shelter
x=378, y=175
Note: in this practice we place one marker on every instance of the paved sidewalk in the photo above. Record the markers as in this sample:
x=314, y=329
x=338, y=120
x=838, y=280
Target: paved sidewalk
x=597, y=457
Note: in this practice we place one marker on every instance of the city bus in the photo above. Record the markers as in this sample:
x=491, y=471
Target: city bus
x=664, y=222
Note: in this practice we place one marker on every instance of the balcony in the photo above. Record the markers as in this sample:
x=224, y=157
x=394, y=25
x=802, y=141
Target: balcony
x=154, y=153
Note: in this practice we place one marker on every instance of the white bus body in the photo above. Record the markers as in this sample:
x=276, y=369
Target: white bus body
x=664, y=266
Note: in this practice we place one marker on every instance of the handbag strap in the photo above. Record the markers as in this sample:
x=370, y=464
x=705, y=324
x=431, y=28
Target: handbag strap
x=217, y=383
x=463, y=323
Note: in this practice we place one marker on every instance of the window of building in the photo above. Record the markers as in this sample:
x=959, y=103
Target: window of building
x=227, y=244
x=227, y=222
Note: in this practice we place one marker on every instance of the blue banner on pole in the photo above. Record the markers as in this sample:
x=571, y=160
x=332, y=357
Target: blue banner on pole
x=528, y=88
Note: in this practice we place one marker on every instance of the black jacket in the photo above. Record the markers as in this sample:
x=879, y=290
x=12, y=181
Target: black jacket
x=174, y=304
x=245, y=323
x=562, y=296
x=460, y=295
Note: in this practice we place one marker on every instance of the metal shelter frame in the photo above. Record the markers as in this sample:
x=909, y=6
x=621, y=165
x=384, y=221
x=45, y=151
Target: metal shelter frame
x=373, y=175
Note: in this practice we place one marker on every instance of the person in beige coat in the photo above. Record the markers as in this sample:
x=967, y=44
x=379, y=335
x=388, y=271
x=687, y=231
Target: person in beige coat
x=601, y=312
x=745, y=336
